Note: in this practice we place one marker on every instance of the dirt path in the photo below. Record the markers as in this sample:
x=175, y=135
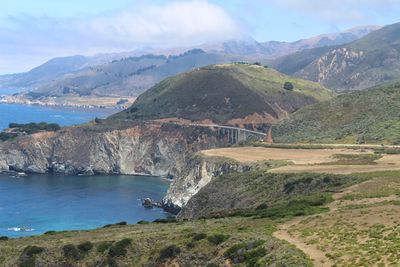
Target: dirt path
x=317, y=256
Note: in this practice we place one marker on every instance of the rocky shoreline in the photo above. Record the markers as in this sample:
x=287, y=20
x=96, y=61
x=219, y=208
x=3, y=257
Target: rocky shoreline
x=163, y=150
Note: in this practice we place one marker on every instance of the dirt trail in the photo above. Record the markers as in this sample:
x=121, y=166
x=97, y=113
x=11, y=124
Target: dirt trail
x=317, y=256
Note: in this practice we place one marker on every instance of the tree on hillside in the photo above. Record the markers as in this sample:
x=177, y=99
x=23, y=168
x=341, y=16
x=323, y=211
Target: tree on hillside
x=288, y=86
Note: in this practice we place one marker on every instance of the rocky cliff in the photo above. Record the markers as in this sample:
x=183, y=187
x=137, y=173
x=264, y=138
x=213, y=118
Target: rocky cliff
x=199, y=171
x=147, y=149
x=151, y=149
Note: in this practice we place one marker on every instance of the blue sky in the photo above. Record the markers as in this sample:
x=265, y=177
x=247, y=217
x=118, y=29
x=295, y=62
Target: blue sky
x=32, y=32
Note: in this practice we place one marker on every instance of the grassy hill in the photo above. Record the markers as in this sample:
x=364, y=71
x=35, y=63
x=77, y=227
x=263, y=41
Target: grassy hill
x=369, y=61
x=222, y=93
x=369, y=116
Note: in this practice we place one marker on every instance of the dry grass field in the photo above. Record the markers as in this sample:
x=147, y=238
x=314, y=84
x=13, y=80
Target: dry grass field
x=336, y=160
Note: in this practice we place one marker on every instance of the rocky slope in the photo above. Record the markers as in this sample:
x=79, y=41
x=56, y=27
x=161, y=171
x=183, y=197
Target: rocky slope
x=150, y=149
x=198, y=172
x=369, y=61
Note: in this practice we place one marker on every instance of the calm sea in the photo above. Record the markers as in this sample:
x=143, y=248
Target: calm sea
x=63, y=116
x=50, y=202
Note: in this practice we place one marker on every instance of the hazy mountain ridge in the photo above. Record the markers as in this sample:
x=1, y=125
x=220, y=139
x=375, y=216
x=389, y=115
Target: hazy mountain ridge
x=130, y=73
x=128, y=76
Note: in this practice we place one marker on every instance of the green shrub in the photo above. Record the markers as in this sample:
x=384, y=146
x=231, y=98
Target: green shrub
x=262, y=206
x=3, y=238
x=249, y=253
x=103, y=246
x=32, y=127
x=32, y=250
x=112, y=262
x=50, y=233
x=199, y=236
x=28, y=256
x=71, y=252
x=7, y=136
x=119, y=248
x=166, y=220
x=29, y=262
x=298, y=206
x=217, y=239
x=190, y=245
x=115, y=224
x=169, y=252
x=85, y=246
x=143, y=222
x=288, y=86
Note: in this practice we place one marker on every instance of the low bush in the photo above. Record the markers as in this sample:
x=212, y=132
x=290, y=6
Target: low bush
x=199, y=236
x=119, y=248
x=115, y=224
x=190, y=245
x=32, y=250
x=71, y=252
x=169, y=252
x=50, y=232
x=299, y=206
x=217, y=239
x=249, y=253
x=262, y=206
x=103, y=246
x=166, y=220
x=28, y=256
x=3, y=238
x=85, y=246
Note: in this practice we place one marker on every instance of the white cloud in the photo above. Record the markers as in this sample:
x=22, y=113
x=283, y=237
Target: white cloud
x=172, y=24
x=176, y=23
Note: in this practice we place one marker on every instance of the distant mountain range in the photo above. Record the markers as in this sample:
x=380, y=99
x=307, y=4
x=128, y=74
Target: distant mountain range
x=274, y=49
x=127, y=74
x=368, y=61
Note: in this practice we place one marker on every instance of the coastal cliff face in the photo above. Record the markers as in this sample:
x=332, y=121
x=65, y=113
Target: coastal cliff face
x=149, y=149
x=199, y=171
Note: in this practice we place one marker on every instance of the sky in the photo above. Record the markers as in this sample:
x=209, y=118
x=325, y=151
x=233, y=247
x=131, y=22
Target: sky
x=32, y=32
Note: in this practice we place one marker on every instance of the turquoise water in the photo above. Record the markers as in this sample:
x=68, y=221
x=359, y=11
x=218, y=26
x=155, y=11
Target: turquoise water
x=49, y=202
x=63, y=116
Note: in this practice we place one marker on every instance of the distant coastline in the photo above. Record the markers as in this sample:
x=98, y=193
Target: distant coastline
x=72, y=102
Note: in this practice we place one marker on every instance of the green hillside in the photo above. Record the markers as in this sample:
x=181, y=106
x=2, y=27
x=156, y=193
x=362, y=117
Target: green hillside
x=369, y=116
x=224, y=92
